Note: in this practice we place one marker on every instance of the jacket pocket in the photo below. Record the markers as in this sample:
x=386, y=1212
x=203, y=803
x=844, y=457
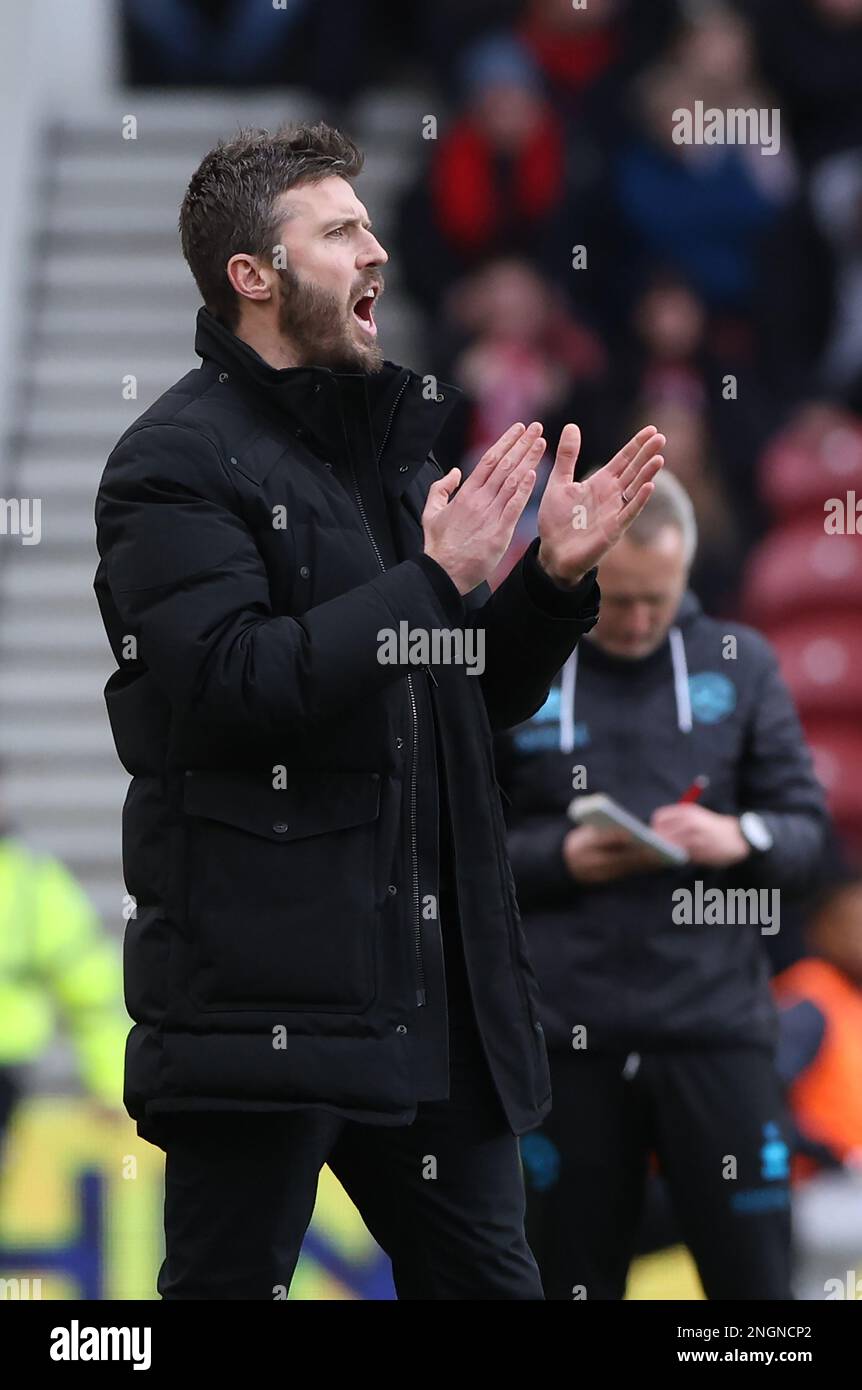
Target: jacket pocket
x=281, y=909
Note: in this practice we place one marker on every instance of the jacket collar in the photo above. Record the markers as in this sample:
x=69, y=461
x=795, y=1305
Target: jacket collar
x=689, y=608
x=321, y=405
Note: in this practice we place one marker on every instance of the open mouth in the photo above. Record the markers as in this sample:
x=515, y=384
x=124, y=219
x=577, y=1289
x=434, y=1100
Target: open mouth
x=363, y=310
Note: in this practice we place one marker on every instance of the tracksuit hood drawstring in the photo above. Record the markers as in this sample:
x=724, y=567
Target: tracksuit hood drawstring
x=568, y=682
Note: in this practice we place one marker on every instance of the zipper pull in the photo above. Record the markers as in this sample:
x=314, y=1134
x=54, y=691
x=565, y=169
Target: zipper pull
x=428, y=670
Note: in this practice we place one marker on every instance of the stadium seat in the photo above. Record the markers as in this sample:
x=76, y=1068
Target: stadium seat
x=800, y=470
x=799, y=569
x=837, y=750
x=820, y=660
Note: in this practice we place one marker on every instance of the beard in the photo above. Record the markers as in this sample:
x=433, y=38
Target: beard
x=321, y=329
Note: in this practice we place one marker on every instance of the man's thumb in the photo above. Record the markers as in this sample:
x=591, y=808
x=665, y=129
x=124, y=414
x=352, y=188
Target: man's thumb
x=440, y=492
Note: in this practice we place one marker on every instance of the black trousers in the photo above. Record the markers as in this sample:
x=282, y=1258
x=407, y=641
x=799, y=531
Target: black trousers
x=715, y=1120
x=443, y=1197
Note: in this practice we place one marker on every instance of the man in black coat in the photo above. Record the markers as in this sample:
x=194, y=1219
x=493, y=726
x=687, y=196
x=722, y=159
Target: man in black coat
x=326, y=963
x=655, y=995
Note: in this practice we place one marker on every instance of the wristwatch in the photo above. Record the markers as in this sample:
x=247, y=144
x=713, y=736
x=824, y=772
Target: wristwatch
x=756, y=832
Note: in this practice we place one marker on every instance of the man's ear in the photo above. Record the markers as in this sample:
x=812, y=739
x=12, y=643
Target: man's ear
x=249, y=278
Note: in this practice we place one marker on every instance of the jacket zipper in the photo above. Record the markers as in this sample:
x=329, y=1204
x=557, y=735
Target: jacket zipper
x=395, y=404
x=417, y=930
x=414, y=718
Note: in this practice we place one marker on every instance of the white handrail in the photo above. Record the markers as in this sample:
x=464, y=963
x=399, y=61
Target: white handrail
x=53, y=56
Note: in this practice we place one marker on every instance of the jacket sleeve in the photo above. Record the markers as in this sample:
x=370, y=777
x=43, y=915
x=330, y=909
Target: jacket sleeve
x=801, y=1030
x=778, y=781
x=186, y=575
x=531, y=627
x=534, y=841
x=535, y=848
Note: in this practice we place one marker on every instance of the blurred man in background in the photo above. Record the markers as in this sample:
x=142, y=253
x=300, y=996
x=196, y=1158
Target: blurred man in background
x=820, y=999
x=820, y=1060
x=661, y=1031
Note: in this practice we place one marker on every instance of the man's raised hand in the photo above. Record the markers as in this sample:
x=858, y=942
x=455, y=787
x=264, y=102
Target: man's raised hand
x=468, y=533
x=580, y=522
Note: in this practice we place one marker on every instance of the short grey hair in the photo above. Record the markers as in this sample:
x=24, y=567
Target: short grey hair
x=669, y=505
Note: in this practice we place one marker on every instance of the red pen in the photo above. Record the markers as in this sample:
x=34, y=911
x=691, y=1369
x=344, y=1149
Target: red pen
x=695, y=791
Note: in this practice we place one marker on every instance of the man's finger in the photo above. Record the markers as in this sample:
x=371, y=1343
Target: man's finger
x=517, y=499
x=644, y=475
x=530, y=445
x=630, y=450
x=613, y=841
x=678, y=814
x=567, y=455
x=636, y=505
x=499, y=494
x=630, y=478
x=644, y=491
x=491, y=457
x=440, y=492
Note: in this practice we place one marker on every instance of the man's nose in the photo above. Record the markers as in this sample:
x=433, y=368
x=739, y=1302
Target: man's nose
x=372, y=254
x=640, y=619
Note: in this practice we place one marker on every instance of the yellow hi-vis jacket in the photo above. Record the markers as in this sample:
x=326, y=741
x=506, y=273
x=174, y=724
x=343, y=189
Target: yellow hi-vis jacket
x=55, y=958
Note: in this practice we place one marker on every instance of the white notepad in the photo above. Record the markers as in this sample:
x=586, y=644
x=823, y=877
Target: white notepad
x=606, y=814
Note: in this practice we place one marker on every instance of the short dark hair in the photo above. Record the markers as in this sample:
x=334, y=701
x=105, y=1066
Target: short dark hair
x=230, y=203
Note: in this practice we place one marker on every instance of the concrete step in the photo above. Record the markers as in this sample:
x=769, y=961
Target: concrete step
x=34, y=572
x=52, y=687
x=138, y=173
x=79, y=763
x=53, y=475
x=71, y=609
x=77, y=428
x=86, y=652
x=68, y=526
x=75, y=736
x=153, y=325
x=77, y=845
x=169, y=121
x=60, y=636
x=34, y=794
x=97, y=371
x=121, y=196
x=103, y=274
x=128, y=295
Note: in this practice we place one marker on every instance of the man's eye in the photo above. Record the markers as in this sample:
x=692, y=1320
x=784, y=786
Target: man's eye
x=336, y=231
